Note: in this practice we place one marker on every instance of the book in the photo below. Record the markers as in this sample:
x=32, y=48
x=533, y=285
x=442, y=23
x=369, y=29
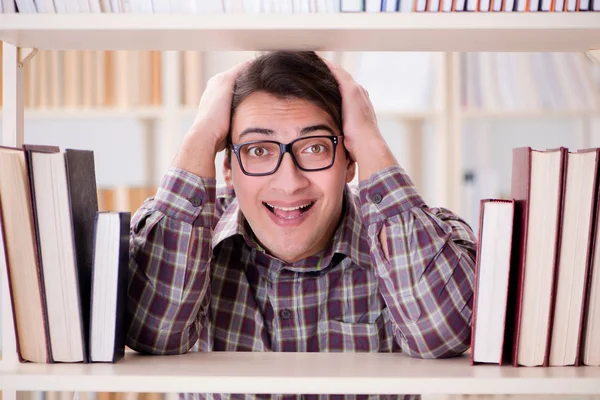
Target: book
x=109, y=286
x=55, y=237
x=24, y=278
x=576, y=228
x=83, y=200
x=536, y=187
x=590, y=341
x=492, y=277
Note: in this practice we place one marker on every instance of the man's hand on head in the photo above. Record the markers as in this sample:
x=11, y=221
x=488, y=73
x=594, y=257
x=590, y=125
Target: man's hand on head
x=208, y=134
x=362, y=137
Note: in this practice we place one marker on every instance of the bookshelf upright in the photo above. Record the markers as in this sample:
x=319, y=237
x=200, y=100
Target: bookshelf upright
x=450, y=33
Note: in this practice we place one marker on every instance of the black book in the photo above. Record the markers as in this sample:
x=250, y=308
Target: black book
x=83, y=198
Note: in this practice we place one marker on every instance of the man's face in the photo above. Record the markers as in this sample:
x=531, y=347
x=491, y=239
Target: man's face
x=267, y=202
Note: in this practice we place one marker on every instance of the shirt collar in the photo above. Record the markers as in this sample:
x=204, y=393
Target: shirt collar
x=349, y=238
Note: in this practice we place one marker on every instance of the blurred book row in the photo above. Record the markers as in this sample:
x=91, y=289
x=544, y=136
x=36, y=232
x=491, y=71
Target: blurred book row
x=529, y=81
x=537, y=281
x=291, y=6
x=66, y=261
x=110, y=79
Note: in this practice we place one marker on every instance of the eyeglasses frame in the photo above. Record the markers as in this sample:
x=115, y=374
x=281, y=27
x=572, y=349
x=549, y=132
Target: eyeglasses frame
x=286, y=148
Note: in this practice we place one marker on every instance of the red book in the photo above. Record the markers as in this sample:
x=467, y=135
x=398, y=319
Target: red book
x=537, y=188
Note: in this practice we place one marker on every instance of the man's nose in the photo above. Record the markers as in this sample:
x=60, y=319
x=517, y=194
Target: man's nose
x=288, y=179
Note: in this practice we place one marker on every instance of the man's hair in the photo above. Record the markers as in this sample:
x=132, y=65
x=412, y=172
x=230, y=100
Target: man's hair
x=290, y=74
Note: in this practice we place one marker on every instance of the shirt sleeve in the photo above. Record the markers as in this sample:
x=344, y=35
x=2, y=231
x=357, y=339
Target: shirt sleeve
x=427, y=281
x=169, y=268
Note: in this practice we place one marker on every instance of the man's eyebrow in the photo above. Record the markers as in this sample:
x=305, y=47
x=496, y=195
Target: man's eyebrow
x=262, y=131
x=313, y=128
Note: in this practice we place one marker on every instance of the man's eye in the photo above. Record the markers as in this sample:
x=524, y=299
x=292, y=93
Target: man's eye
x=257, y=151
x=316, y=149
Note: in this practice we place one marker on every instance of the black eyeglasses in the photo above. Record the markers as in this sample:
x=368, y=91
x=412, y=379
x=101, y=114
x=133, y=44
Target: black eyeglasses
x=263, y=157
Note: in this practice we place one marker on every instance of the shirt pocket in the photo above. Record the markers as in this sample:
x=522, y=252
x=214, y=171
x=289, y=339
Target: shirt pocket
x=338, y=336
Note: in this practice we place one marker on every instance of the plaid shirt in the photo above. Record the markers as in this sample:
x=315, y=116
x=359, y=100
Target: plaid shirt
x=198, y=279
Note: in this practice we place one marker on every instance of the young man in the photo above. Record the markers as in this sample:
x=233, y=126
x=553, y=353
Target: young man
x=288, y=258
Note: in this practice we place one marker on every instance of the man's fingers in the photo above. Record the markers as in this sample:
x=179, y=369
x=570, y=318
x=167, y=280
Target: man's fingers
x=343, y=77
x=236, y=69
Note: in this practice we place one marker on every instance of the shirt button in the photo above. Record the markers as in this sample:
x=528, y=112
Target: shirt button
x=196, y=201
x=285, y=314
x=377, y=198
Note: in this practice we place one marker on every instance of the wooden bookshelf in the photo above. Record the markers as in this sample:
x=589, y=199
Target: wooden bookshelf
x=341, y=31
x=287, y=372
x=326, y=373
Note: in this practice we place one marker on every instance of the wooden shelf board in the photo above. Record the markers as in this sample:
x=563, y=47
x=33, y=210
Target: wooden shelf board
x=91, y=113
x=506, y=114
x=577, y=32
x=327, y=373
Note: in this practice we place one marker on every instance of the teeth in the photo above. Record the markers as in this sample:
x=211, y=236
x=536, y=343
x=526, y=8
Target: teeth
x=289, y=208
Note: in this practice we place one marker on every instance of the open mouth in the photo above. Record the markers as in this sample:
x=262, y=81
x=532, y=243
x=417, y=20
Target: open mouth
x=289, y=212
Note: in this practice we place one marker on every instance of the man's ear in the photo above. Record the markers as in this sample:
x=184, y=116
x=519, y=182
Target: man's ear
x=350, y=170
x=227, y=171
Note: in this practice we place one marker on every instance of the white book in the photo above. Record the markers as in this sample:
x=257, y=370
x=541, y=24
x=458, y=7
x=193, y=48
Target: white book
x=45, y=6
x=334, y=6
x=575, y=242
x=351, y=6
x=252, y=6
x=209, y=6
x=447, y=5
x=373, y=6
x=484, y=5
x=96, y=7
x=559, y=5
x=389, y=5
x=534, y=5
x=509, y=5
x=496, y=5
x=109, y=287
x=571, y=4
x=285, y=7
x=8, y=6
x=268, y=6
x=434, y=5
x=233, y=6
x=420, y=5
x=471, y=5
x=26, y=6
x=141, y=6
x=492, y=279
x=406, y=6
x=595, y=5
x=57, y=254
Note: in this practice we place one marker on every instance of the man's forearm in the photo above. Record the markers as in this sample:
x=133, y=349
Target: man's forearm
x=424, y=258
x=375, y=155
x=169, y=270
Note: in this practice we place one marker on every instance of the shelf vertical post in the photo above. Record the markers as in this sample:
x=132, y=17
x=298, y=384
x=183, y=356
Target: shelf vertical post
x=12, y=135
x=414, y=151
x=448, y=131
x=170, y=131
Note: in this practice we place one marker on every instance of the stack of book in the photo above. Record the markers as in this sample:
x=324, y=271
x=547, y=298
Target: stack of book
x=537, y=282
x=66, y=262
